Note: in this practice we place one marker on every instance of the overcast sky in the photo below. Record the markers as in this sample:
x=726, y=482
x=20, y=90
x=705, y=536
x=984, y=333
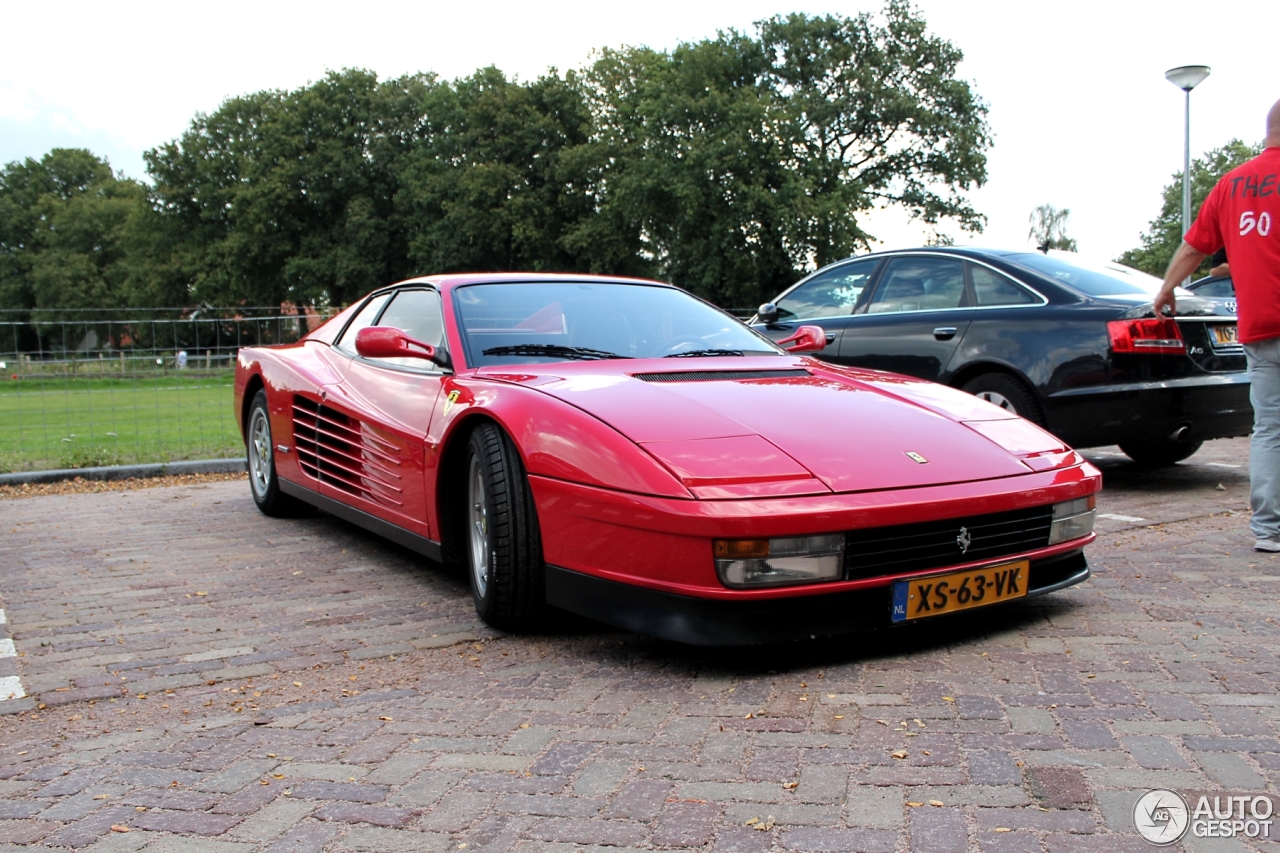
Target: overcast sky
x=1081, y=113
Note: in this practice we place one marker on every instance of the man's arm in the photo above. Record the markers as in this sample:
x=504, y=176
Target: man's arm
x=1184, y=262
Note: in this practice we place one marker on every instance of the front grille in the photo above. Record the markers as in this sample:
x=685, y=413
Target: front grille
x=341, y=451
x=718, y=375
x=933, y=544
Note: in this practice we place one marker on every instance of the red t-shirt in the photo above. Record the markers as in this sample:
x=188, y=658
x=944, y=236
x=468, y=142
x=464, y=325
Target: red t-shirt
x=1242, y=213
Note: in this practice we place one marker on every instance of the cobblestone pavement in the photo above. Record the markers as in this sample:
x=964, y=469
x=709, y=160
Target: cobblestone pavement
x=201, y=678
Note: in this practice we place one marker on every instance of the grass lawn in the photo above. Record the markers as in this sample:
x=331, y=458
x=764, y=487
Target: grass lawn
x=79, y=423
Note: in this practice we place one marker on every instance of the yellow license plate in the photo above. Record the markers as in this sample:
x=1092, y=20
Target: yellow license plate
x=1225, y=334
x=932, y=596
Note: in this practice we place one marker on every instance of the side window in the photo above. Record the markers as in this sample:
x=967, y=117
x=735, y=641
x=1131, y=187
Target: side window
x=832, y=293
x=1223, y=287
x=416, y=313
x=992, y=288
x=919, y=284
x=362, y=320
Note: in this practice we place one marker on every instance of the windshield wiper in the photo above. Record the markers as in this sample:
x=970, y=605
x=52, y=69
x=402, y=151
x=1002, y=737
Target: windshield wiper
x=694, y=353
x=570, y=353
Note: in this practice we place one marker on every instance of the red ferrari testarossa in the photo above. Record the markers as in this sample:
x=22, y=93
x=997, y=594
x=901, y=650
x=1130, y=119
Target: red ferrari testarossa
x=623, y=450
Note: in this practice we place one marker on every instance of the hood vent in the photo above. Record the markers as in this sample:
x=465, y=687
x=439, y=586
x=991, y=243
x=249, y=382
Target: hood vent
x=342, y=452
x=719, y=375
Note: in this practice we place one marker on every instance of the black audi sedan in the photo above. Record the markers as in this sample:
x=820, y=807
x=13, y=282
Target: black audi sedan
x=1070, y=344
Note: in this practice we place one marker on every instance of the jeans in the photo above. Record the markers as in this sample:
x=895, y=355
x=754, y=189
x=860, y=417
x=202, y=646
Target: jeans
x=1264, y=447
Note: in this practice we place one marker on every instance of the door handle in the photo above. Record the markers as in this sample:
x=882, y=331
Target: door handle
x=944, y=333
x=831, y=338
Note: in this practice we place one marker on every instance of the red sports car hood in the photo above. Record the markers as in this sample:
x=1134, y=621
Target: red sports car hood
x=792, y=425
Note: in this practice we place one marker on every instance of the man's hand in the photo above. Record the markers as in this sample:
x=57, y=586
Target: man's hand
x=1184, y=262
x=1165, y=299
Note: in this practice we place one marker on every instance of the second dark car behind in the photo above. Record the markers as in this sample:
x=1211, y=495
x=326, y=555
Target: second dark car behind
x=1069, y=344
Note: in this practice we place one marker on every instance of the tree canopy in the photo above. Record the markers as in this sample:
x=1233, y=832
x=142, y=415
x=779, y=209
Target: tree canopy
x=1164, y=235
x=728, y=166
x=1049, y=229
x=75, y=236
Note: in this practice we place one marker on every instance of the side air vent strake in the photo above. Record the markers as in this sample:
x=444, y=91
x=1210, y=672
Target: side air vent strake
x=341, y=451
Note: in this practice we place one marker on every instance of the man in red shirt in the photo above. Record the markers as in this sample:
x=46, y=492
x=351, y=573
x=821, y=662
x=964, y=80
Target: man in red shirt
x=1242, y=214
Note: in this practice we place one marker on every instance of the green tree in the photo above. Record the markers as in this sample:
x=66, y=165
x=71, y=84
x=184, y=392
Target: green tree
x=496, y=181
x=1164, y=234
x=874, y=115
x=290, y=196
x=70, y=231
x=693, y=174
x=736, y=162
x=1049, y=229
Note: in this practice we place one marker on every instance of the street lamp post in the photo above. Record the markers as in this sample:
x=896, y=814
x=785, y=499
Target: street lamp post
x=1186, y=78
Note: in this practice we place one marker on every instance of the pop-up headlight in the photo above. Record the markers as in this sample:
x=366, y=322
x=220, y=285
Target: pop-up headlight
x=776, y=562
x=1072, y=519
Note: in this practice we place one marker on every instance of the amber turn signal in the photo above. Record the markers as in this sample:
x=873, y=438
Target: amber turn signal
x=741, y=549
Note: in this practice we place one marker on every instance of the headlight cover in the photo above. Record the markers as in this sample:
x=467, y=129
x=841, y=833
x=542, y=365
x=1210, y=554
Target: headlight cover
x=1073, y=519
x=748, y=563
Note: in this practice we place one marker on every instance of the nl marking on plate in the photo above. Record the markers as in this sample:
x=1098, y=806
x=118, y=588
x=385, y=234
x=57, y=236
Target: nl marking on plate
x=918, y=598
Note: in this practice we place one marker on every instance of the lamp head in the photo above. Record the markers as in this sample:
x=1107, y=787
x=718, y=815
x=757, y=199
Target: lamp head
x=1187, y=77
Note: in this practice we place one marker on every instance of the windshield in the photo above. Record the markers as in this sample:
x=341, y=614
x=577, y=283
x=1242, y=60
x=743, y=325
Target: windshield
x=1091, y=279
x=519, y=323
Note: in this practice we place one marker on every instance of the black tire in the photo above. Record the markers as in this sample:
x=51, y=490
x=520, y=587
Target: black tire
x=264, y=485
x=1159, y=454
x=1007, y=392
x=503, y=544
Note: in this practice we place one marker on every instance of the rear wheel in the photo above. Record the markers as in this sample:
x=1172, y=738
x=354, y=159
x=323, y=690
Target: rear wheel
x=263, y=482
x=1008, y=393
x=1159, y=454
x=504, y=548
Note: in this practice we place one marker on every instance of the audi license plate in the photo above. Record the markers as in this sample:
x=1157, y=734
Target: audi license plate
x=1224, y=334
x=932, y=596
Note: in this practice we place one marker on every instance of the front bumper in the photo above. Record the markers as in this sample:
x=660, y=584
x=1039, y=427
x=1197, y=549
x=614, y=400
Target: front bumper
x=665, y=544
x=716, y=622
x=1215, y=406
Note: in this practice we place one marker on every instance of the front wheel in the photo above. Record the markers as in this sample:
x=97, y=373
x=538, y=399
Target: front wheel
x=504, y=547
x=1159, y=454
x=263, y=482
x=1007, y=392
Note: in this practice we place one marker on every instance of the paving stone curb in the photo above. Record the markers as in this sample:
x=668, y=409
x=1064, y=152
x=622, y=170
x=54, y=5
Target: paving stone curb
x=127, y=472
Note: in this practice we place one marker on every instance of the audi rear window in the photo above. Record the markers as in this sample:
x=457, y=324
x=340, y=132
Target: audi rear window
x=1088, y=278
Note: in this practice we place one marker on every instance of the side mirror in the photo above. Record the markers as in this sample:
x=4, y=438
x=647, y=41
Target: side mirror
x=806, y=339
x=390, y=342
x=768, y=313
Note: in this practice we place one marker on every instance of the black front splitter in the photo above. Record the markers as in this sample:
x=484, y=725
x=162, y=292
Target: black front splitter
x=713, y=622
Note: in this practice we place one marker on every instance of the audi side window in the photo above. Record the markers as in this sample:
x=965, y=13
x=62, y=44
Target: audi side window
x=833, y=293
x=992, y=288
x=417, y=313
x=363, y=319
x=919, y=284
x=1221, y=288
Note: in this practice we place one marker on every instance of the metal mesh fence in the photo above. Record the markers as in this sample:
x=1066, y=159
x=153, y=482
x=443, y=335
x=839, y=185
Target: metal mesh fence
x=109, y=388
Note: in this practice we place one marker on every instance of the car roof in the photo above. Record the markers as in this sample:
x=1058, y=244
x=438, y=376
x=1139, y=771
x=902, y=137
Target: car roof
x=447, y=281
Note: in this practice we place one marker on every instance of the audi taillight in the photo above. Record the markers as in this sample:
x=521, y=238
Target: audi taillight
x=1154, y=335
